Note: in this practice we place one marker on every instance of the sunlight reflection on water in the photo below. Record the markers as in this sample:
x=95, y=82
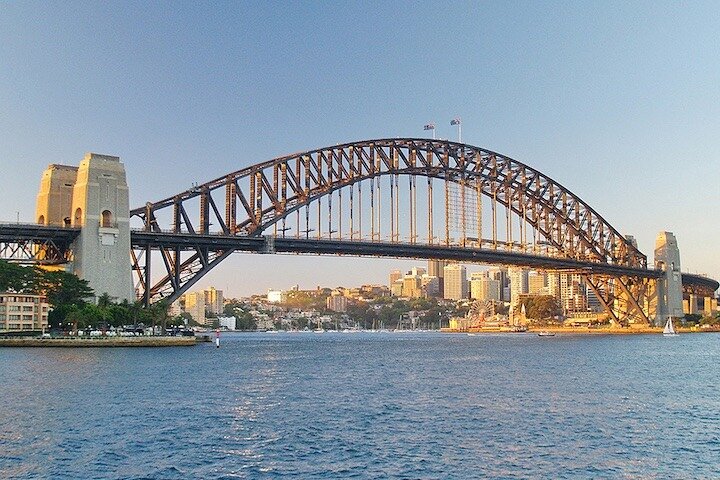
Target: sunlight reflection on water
x=365, y=406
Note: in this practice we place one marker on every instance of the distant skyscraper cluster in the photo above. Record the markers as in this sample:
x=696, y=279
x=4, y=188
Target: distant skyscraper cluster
x=450, y=281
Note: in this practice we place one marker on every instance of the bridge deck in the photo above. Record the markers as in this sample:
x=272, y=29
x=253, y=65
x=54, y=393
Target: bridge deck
x=259, y=244
x=10, y=232
x=14, y=232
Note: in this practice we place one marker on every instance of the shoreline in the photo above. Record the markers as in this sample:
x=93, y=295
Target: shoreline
x=640, y=330
x=101, y=342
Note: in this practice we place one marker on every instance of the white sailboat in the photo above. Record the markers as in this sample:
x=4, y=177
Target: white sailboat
x=669, y=330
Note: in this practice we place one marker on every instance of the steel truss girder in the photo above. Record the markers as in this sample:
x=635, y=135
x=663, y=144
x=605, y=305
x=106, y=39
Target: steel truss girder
x=36, y=244
x=177, y=275
x=261, y=195
x=44, y=252
x=621, y=296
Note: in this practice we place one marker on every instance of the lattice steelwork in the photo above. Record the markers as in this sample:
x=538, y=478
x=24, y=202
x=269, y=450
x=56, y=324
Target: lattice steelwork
x=397, y=191
x=36, y=244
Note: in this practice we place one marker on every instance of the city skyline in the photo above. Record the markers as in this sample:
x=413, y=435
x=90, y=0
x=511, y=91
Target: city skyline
x=627, y=122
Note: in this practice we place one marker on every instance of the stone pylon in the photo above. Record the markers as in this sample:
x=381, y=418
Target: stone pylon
x=93, y=197
x=669, y=287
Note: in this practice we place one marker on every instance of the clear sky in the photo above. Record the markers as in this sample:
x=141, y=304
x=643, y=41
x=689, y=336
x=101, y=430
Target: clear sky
x=618, y=101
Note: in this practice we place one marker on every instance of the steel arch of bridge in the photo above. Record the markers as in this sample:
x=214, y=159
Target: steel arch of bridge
x=261, y=198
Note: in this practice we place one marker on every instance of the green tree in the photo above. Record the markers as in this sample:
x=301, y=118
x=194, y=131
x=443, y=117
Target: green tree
x=119, y=315
x=542, y=307
x=63, y=288
x=245, y=321
x=363, y=314
x=15, y=278
x=157, y=313
x=105, y=300
x=87, y=315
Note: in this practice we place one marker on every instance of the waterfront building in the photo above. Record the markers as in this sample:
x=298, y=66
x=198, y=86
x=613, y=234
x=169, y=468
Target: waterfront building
x=226, y=323
x=456, y=287
x=572, y=292
x=264, y=321
x=22, y=311
x=573, y=295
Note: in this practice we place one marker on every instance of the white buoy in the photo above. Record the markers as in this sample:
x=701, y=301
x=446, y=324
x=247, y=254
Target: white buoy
x=217, y=338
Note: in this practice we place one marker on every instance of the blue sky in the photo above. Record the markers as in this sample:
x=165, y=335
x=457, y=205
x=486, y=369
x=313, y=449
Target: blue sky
x=618, y=101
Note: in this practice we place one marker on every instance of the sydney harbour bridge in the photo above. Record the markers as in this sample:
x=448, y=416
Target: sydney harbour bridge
x=402, y=198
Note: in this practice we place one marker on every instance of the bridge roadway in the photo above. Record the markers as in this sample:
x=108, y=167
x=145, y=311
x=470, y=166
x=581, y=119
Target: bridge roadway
x=64, y=236
x=33, y=243
x=11, y=232
x=271, y=244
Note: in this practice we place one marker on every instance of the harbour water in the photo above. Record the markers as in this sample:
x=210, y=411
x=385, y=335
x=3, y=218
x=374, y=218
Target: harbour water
x=366, y=405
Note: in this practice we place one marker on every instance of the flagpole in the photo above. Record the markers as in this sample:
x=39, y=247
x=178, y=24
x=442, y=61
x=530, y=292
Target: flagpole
x=430, y=126
x=458, y=122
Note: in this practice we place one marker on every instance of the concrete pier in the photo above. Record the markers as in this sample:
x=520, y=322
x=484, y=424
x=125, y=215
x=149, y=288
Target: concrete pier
x=98, y=342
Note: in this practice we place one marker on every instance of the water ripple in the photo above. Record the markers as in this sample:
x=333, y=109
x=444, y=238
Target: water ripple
x=366, y=406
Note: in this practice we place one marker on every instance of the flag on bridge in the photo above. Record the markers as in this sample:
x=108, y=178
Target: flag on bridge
x=455, y=121
x=429, y=126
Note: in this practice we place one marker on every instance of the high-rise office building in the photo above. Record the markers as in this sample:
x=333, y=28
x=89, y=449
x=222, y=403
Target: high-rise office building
x=484, y=288
x=436, y=268
x=395, y=275
x=573, y=296
x=456, y=287
x=500, y=274
x=518, y=283
x=411, y=286
x=214, y=301
x=537, y=283
x=430, y=285
x=195, y=306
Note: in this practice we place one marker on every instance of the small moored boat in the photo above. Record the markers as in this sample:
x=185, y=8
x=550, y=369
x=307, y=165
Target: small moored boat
x=545, y=333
